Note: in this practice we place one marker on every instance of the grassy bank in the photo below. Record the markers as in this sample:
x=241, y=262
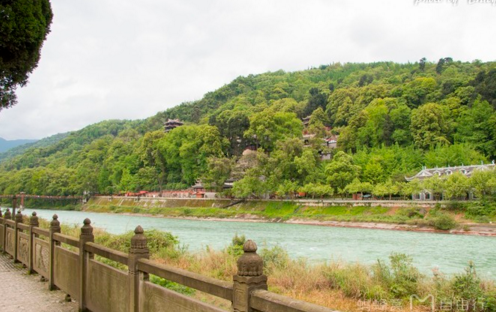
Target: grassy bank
x=385, y=286
x=452, y=216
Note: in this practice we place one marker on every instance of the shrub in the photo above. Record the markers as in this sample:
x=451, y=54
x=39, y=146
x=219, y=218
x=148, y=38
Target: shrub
x=236, y=247
x=156, y=240
x=187, y=211
x=455, y=206
x=172, y=285
x=444, y=222
x=400, y=278
x=467, y=286
x=274, y=258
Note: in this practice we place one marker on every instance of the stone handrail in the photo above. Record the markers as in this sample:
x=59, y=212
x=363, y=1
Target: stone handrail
x=114, y=255
x=263, y=300
x=99, y=287
x=69, y=240
x=199, y=282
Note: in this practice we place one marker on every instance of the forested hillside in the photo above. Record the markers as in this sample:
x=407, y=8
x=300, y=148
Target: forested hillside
x=389, y=120
x=20, y=149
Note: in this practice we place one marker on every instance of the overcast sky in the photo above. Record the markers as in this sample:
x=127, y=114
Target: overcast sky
x=128, y=59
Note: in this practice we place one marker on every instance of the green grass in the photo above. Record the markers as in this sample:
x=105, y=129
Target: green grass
x=283, y=211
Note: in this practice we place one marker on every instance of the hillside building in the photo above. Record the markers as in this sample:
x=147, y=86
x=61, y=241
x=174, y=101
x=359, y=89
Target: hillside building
x=172, y=123
x=444, y=172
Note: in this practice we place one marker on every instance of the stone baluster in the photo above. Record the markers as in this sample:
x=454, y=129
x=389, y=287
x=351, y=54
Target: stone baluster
x=248, y=278
x=54, y=228
x=14, y=206
x=139, y=250
x=84, y=258
x=33, y=222
x=17, y=219
x=6, y=217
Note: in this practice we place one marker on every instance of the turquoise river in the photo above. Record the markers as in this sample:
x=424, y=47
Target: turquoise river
x=448, y=253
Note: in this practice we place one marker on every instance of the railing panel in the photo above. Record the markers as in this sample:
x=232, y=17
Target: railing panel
x=41, y=256
x=23, y=247
x=9, y=241
x=265, y=301
x=107, y=288
x=66, y=268
x=157, y=298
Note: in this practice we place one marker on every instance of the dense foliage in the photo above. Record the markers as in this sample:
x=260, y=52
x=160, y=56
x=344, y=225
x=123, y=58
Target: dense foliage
x=391, y=119
x=24, y=25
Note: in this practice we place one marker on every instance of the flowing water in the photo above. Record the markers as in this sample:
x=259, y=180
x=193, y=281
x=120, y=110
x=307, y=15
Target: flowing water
x=448, y=253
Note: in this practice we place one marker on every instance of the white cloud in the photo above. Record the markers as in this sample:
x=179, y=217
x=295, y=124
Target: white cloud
x=116, y=59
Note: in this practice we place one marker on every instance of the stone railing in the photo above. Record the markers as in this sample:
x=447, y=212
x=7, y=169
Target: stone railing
x=99, y=287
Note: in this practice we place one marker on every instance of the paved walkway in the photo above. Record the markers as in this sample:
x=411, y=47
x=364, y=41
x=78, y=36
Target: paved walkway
x=23, y=292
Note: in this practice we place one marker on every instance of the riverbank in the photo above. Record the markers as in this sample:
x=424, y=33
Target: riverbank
x=413, y=218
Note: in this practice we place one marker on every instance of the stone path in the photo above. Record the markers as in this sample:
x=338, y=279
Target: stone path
x=23, y=292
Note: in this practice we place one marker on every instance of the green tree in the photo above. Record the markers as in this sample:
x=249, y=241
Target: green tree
x=380, y=190
x=385, y=188
x=186, y=150
x=267, y=127
x=456, y=186
x=436, y=185
x=483, y=182
x=317, y=99
x=356, y=186
x=145, y=179
x=24, y=25
x=413, y=187
x=341, y=171
x=417, y=91
x=218, y=171
x=317, y=190
x=317, y=123
x=476, y=126
x=422, y=63
x=429, y=125
x=308, y=167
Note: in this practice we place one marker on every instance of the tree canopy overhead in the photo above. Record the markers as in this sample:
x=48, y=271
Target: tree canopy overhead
x=24, y=25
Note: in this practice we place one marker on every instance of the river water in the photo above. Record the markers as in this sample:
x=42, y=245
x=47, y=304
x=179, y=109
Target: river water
x=448, y=253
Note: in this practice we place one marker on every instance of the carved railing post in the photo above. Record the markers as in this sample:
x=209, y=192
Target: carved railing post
x=250, y=277
x=84, y=258
x=6, y=217
x=54, y=228
x=33, y=222
x=18, y=219
x=4, y=239
x=14, y=205
x=139, y=250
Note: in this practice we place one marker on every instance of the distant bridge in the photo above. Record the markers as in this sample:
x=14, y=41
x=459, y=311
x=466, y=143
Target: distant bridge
x=41, y=196
x=23, y=196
